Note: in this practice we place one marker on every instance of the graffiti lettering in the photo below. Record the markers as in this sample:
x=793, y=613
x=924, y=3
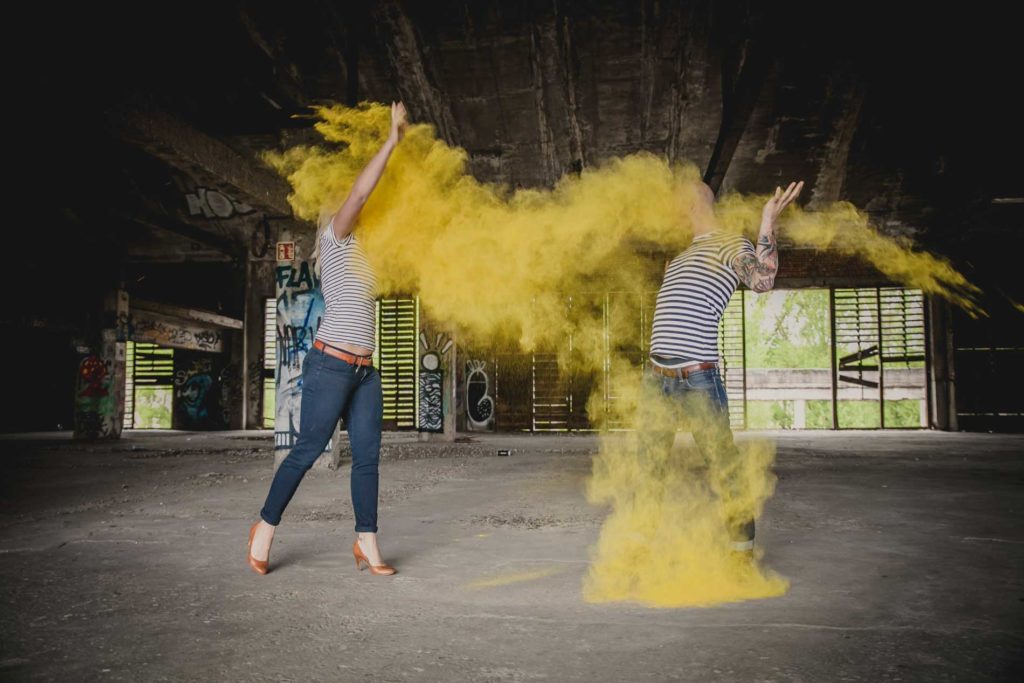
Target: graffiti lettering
x=300, y=308
x=214, y=204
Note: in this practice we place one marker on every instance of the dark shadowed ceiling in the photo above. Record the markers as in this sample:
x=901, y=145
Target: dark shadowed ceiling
x=911, y=115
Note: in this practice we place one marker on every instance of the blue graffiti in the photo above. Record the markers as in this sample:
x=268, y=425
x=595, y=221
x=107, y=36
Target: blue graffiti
x=193, y=396
x=299, y=316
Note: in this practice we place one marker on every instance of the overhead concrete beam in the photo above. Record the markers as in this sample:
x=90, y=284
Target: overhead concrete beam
x=195, y=314
x=828, y=185
x=207, y=159
x=418, y=85
x=739, y=105
x=163, y=222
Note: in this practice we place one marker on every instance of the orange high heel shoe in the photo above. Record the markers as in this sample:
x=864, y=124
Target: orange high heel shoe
x=258, y=566
x=378, y=569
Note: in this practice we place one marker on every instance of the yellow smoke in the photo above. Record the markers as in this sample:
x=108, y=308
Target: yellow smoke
x=494, y=263
x=517, y=577
x=666, y=542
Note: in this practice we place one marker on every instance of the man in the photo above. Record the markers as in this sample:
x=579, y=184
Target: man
x=682, y=379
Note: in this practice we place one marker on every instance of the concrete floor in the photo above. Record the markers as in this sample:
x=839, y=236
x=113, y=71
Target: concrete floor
x=125, y=561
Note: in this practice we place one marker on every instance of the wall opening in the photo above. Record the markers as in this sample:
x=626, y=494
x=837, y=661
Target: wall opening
x=149, y=386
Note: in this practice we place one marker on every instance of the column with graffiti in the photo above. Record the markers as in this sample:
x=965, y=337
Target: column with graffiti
x=99, y=389
x=433, y=363
x=478, y=397
x=300, y=307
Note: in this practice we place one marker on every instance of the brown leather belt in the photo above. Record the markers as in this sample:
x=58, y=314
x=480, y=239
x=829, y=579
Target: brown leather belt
x=344, y=355
x=681, y=373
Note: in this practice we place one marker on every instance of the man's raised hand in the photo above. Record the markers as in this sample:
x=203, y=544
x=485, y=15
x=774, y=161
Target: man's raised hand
x=774, y=206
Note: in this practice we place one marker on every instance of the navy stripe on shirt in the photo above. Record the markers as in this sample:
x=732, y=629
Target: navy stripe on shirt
x=697, y=287
x=348, y=284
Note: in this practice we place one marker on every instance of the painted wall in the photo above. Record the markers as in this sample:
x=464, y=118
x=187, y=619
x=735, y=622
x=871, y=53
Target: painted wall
x=300, y=307
x=203, y=391
x=434, y=364
x=99, y=391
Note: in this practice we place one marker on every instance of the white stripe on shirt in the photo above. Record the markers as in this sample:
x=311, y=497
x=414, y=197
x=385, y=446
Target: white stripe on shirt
x=697, y=287
x=348, y=284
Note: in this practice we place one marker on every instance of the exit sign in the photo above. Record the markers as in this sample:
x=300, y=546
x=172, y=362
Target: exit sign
x=286, y=251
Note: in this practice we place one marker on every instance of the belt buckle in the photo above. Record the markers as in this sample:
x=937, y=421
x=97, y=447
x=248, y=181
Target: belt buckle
x=676, y=373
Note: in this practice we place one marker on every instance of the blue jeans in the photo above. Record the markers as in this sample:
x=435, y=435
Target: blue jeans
x=698, y=403
x=333, y=388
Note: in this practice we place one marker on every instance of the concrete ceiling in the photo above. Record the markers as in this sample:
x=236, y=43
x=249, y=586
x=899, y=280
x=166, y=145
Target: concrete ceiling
x=908, y=116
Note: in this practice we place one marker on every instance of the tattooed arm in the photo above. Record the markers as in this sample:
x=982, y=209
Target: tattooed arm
x=757, y=270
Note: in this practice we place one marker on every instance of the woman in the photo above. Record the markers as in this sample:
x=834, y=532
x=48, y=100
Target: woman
x=338, y=378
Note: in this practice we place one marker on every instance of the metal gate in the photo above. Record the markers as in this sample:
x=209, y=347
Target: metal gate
x=395, y=358
x=146, y=366
x=732, y=353
x=874, y=329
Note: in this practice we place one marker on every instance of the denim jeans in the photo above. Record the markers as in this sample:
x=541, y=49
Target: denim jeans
x=333, y=388
x=698, y=403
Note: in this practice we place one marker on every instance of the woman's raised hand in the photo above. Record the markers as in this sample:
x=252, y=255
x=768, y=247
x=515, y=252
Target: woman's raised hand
x=399, y=120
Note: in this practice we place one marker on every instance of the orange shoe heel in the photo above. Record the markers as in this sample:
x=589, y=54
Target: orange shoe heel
x=378, y=569
x=258, y=566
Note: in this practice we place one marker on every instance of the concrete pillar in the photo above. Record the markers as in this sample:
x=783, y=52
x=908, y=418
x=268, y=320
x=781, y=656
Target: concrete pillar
x=232, y=379
x=259, y=286
x=300, y=307
x=451, y=387
x=942, y=373
x=99, y=389
x=799, y=414
x=438, y=384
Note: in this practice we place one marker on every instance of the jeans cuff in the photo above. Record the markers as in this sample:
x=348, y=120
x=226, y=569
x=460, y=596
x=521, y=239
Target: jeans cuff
x=366, y=529
x=264, y=518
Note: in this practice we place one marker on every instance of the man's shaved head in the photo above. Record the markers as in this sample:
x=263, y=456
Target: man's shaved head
x=705, y=192
x=702, y=210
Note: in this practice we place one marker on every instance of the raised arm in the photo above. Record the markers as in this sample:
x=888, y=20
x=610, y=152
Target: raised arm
x=345, y=219
x=757, y=271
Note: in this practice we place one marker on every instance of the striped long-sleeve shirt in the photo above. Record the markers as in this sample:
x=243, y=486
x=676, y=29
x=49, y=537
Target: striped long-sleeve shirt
x=348, y=284
x=697, y=287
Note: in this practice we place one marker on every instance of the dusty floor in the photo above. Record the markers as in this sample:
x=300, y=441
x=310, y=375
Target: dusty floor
x=125, y=561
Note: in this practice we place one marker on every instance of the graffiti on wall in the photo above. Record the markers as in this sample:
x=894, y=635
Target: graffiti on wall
x=198, y=391
x=151, y=327
x=432, y=362
x=94, y=399
x=210, y=203
x=255, y=397
x=479, y=402
x=230, y=381
x=300, y=307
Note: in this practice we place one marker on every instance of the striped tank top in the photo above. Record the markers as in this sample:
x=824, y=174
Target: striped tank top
x=697, y=287
x=348, y=284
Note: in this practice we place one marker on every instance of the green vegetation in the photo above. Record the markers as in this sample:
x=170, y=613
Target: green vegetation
x=269, y=395
x=791, y=329
x=788, y=329
x=153, y=407
x=818, y=414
